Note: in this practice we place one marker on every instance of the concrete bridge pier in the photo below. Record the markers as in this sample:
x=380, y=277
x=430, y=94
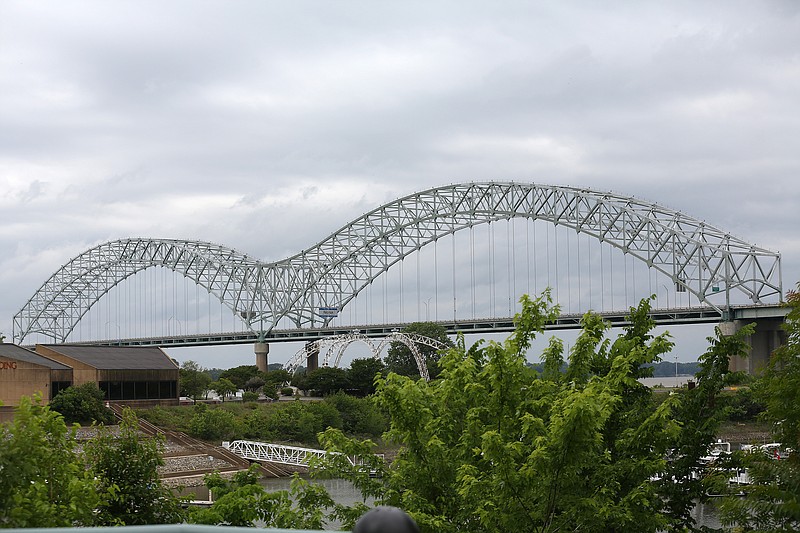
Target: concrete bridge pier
x=768, y=336
x=262, y=350
x=312, y=359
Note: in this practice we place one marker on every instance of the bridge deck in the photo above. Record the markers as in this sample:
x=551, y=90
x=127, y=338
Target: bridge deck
x=662, y=317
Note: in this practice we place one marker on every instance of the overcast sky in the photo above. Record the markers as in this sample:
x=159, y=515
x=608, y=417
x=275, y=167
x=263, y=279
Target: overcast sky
x=264, y=126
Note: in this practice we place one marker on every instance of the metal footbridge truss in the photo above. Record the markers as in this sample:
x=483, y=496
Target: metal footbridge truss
x=699, y=258
x=279, y=453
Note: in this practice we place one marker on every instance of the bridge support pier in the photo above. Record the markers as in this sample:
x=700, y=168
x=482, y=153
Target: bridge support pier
x=312, y=359
x=261, y=349
x=768, y=336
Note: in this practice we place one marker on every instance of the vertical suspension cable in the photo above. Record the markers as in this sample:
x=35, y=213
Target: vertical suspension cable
x=401, y=290
x=385, y=292
x=492, y=289
x=547, y=255
x=535, y=260
x=555, y=238
x=569, y=270
x=453, y=241
x=527, y=256
x=436, y=278
x=419, y=295
x=472, y=265
x=578, y=264
x=589, y=270
x=509, y=255
x=625, y=262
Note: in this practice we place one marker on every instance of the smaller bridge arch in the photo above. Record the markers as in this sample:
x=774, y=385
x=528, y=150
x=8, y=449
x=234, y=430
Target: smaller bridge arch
x=332, y=349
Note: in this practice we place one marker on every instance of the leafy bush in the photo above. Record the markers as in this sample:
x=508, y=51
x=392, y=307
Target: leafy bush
x=741, y=405
x=360, y=416
x=249, y=396
x=212, y=424
x=83, y=404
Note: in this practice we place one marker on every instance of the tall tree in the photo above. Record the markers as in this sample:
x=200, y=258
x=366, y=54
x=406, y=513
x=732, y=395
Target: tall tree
x=239, y=375
x=327, y=380
x=361, y=374
x=223, y=387
x=400, y=360
x=195, y=380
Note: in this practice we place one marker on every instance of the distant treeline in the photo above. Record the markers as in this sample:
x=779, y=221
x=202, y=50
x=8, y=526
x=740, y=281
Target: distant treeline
x=660, y=370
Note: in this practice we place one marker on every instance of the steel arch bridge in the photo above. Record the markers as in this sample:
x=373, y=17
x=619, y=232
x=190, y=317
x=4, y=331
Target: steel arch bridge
x=697, y=257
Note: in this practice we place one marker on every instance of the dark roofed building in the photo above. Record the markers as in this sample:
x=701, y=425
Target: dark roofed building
x=125, y=374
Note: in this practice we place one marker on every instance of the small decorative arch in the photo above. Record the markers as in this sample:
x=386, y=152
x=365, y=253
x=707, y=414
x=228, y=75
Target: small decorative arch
x=332, y=349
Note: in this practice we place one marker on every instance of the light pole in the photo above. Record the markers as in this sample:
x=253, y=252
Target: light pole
x=169, y=326
x=427, y=315
x=666, y=295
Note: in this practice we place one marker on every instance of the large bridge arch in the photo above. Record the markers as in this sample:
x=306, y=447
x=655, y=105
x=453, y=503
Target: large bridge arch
x=696, y=256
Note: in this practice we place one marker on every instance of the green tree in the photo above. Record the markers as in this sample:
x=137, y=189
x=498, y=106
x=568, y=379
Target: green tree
x=773, y=500
x=277, y=377
x=240, y=374
x=327, y=380
x=300, y=379
x=43, y=480
x=361, y=374
x=223, y=387
x=400, y=360
x=83, y=404
x=491, y=446
x=254, y=384
x=212, y=424
x=360, y=416
x=126, y=463
x=195, y=380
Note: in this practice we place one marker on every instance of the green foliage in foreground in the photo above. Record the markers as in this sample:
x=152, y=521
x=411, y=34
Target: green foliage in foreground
x=490, y=447
x=43, y=481
x=46, y=482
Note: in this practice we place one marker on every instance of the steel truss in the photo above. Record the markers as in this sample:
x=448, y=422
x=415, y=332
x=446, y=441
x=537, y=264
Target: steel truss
x=699, y=258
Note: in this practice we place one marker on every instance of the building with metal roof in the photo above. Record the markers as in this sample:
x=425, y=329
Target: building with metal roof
x=131, y=375
x=125, y=374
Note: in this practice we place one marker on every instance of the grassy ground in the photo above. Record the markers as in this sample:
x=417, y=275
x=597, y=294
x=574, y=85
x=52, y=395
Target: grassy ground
x=738, y=433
